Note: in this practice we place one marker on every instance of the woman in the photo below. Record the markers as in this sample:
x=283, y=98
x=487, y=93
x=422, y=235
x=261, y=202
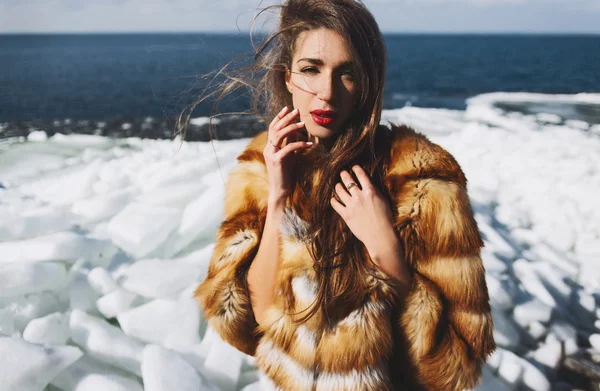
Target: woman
x=349, y=258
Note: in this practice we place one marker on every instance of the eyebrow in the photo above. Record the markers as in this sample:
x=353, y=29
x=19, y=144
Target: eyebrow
x=318, y=61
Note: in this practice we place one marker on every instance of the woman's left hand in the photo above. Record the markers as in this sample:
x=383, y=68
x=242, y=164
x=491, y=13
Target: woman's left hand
x=364, y=209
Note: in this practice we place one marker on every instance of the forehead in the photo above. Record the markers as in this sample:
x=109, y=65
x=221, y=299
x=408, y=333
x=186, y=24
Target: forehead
x=324, y=44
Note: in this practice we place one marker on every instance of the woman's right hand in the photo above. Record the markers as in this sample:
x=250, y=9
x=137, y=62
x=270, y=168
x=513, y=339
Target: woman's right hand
x=279, y=154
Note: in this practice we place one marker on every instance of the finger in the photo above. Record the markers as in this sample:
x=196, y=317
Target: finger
x=362, y=176
x=336, y=205
x=341, y=191
x=346, y=180
x=283, y=152
x=284, y=133
x=285, y=120
x=278, y=117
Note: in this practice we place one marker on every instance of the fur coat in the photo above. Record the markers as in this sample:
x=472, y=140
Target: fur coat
x=435, y=338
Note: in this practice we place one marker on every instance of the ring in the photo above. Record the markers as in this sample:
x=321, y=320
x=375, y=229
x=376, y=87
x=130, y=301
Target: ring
x=271, y=142
x=350, y=185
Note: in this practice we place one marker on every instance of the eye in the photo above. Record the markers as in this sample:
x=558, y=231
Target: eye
x=348, y=74
x=309, y=70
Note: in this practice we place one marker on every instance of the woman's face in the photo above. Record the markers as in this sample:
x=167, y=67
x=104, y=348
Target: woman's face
x=322, y=82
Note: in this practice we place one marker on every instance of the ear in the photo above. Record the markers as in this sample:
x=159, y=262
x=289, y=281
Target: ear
x=288, y=82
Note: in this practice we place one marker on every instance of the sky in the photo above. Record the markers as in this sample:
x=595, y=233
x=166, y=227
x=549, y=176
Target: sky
x=412, y=16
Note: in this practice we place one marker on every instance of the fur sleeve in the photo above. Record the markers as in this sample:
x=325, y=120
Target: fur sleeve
x=224, y=295
x=446, y=317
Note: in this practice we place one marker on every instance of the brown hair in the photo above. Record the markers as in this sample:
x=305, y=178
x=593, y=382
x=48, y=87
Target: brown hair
x=340, y=269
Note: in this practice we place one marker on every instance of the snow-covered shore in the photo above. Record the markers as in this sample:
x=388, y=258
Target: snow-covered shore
x=102, y=242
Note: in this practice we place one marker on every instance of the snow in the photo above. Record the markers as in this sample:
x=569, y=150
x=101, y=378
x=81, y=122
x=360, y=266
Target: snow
x=103, y=242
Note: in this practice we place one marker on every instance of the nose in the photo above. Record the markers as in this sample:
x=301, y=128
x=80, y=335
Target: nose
x=326, y=90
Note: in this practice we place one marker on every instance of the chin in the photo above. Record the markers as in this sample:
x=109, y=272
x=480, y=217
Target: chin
x=321, y=132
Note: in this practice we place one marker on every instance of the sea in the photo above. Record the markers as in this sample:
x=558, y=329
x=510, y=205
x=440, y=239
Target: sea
x=123, y=85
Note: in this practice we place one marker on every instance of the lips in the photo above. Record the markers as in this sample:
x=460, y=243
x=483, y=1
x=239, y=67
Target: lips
x=323, y=117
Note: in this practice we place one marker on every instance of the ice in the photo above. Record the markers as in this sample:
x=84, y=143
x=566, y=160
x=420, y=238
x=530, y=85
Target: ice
x=595, y=342
x=22, y=278
x=26, y=308
x=161, y=321
x=139, y=229
x=549, y=354
x=102, y=207
x=532, y=311
x=166, y=370
x=37, y=136
x=506, y=332
x=501, y=291
x=30, y=367
x=7, y=323
x=101, y=281
x=134, y=222
x=105, y=342
x=32, y=222
x=223, y=365
x=158, y=278
x=81, y=294
x=510, y=369
x=67, y=246
x=117, y=302
x=51, y=329
x=87, y=374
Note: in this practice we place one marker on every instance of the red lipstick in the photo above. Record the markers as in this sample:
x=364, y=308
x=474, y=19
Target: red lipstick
x=323, y=117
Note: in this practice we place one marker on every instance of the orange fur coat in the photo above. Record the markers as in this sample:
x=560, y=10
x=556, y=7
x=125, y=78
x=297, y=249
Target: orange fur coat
x=436, y=338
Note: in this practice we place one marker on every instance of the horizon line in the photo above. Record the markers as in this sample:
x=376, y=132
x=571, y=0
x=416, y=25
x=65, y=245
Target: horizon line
x=230, y=32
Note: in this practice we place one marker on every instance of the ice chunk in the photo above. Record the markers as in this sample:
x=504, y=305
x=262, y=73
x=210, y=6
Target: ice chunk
x=101, y=281
x=104, y=206
x=81, y=295
x=29, y=367
x=22, y=278
x=201, y=218
x=534, y=378
x=506, y=333
x=252, y=387
x=510, y=369
x=166, y=370
x=502, y=291
x=491, y=383
x=7, y=323
x=34, y=222
x=531, y=282
x=532, y=311
x=493, y=265
x=26, y=308
x=116, y=302
x=223, y=365
x=51, y=329
x=549, y=354
x=248, y=378
x=595, y=342
x=87, y=374
x=37, y=136
x=158, y=278
x=177, y=194
x=139, y=229
x=162, y=321
x=105, y=342
x=61, y=246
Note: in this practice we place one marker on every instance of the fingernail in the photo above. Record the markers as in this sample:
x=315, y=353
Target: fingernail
x=300, y=123
x=309, y=143
x=295, y=111
x=282, y=110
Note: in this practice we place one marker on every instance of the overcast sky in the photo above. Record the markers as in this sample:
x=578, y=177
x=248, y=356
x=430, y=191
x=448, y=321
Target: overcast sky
x=455, y=16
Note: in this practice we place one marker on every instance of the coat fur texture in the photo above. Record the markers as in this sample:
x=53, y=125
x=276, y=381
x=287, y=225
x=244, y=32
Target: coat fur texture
x=436, y=338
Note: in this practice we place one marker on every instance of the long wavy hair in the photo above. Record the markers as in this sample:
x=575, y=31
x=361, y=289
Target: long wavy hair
x=339, y=257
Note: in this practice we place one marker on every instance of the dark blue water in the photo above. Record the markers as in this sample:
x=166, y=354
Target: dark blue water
x=104, y=76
